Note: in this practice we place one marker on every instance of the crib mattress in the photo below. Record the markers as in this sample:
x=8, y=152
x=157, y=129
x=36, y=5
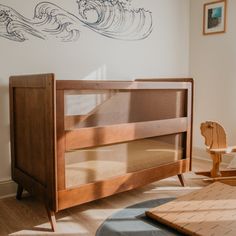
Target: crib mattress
x=94, y=164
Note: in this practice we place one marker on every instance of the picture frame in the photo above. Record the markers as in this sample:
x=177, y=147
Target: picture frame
x=214, y=17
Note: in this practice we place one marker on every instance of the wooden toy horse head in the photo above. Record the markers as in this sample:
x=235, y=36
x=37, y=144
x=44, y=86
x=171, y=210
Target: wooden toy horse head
x=214, y=134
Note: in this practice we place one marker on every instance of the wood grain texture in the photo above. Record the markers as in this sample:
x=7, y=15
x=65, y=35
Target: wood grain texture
x=189, y=107
x=39, y=139
x=209, y=211
x=28, y=217
x=216, y=145
x=181, y=179
x=50, y=143
x=101, y=189
x=214, y=134
x=88, y=137
x=104, y=162
x=114, y=107
x=32, y=112
x=126, y=85
x=60, y=140
x=189, y=133
x=52, y=219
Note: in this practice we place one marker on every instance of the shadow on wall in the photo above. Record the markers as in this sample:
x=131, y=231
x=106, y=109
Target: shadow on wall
x=5, y=131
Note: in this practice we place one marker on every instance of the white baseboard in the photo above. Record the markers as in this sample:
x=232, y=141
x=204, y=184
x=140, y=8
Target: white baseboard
x=7, y=189
x=201, y=154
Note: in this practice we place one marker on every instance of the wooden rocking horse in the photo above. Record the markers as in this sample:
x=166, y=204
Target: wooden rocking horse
x=216, y=146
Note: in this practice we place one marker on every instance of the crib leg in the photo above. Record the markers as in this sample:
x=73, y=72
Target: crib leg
x=52, y=218
x=19, y=192
x=181, y=179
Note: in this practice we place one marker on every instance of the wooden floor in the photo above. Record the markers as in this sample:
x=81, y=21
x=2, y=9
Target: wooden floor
x=28, y=217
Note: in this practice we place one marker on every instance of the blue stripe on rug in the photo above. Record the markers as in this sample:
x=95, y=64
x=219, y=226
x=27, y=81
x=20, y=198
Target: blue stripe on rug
x=132, y=221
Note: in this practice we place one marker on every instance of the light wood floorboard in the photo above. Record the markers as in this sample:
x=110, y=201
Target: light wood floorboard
x=28, y=216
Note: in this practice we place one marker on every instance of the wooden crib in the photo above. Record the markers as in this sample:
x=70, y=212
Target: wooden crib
x=76, y=141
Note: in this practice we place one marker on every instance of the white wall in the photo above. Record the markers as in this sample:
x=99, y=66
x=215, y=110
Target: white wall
x=164, y=54
x=213, y=66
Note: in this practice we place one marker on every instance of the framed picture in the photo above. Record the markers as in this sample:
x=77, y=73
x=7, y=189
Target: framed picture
x=214, y=17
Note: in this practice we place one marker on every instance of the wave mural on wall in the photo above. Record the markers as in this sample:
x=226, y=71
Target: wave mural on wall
x=115, y=19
